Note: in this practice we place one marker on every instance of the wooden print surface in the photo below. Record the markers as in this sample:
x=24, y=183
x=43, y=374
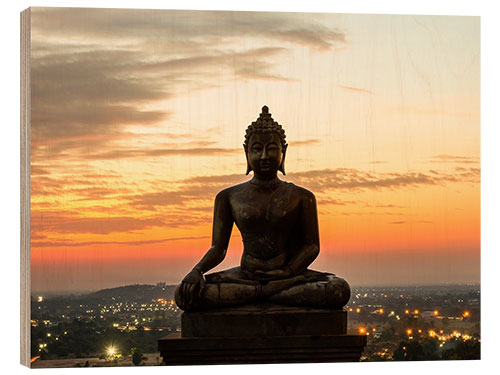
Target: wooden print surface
x=137, y=120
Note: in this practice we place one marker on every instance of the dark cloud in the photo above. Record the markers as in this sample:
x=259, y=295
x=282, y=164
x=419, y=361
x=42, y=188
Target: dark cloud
x=84, y=189
x=321, y=182
x=170, y=28
x=353, y=179
x=249, y=60
x=93, y=70
x=142, y=153
x=397, y=222
x=167, y=206
x=72, y=223
x=67, y=222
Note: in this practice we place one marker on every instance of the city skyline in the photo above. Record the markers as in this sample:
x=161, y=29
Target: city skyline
x=133, y=110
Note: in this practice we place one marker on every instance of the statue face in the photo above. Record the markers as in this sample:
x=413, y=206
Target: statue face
x=265, y=154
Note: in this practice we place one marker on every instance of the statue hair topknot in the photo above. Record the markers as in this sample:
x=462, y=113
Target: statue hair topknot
x=265, y=124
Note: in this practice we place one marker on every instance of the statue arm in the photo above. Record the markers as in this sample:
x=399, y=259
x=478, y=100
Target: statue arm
x=221, y=232
x=194, y=282
x=310, y=249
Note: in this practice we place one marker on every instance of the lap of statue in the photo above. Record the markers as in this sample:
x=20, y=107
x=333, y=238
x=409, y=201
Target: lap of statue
x=235, y=287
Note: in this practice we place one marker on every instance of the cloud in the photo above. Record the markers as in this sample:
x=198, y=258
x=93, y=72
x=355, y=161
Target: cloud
x=323, y=201
x=70, y=222
x=386, y=206
x=353, y=179
x=190, y=29
x=142, y=153
x=454, y=159
x=165, y=206
x=321, y=182
x=305, y=142
x=71, y=243
x=397, y=222
x=356, y=89
x=96, y=72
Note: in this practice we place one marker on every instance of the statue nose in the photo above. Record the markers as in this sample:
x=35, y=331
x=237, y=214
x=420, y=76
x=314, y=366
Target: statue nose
x=264, y=154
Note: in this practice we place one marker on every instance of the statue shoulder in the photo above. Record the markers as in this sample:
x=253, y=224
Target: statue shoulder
x=306, y=197
x=226, y=193
x=302, y=193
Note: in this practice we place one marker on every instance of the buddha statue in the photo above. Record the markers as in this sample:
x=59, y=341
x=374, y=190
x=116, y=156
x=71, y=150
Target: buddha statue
x=278, y=222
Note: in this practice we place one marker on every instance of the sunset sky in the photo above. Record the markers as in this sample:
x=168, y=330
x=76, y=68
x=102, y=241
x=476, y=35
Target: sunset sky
x=138, y=120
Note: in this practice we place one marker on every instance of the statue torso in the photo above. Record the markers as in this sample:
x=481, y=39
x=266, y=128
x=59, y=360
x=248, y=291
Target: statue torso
x=266, y=216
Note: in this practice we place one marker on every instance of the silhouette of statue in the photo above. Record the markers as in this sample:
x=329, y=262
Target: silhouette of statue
x=278, y=222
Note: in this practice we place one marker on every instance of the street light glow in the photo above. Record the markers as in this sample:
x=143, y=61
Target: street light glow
x=111, y=351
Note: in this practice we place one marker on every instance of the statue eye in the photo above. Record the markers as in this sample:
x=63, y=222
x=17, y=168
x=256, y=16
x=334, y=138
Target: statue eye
x=257, y=148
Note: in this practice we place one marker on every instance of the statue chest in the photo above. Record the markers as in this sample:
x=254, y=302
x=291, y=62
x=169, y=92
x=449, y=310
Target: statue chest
x=258, y=211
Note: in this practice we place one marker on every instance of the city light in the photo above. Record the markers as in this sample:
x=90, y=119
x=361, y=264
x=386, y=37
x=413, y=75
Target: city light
x=112, y=353
x=39, y=299
x=367, y=324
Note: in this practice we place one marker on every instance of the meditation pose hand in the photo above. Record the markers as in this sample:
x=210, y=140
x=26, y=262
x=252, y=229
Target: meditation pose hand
x=278, y=222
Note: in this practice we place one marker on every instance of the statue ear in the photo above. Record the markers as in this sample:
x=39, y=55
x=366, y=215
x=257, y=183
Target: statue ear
x=249, y=168
x=282, y=165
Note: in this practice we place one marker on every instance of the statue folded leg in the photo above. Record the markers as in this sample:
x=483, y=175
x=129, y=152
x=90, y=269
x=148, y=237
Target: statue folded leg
x=320, y=290
x=234, y=287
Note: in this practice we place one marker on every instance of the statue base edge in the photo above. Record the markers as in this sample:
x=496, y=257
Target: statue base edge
x=264, y=320
x=177, y=350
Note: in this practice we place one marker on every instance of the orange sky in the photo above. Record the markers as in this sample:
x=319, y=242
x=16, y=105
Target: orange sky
x=138, y=119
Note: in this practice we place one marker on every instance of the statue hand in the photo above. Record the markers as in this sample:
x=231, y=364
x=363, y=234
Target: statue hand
x=274, y=274
x=193, y=281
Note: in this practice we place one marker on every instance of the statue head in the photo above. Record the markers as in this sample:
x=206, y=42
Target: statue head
x=265, y=145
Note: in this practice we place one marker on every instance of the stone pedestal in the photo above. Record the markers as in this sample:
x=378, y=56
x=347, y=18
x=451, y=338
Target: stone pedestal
x=262, y=334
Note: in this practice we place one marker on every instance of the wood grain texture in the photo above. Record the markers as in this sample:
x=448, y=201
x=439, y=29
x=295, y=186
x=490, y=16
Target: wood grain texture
x=25, y=186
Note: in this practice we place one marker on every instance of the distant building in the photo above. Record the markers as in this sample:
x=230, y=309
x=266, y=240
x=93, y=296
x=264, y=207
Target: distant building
x=161, y=285
x=428, y=314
